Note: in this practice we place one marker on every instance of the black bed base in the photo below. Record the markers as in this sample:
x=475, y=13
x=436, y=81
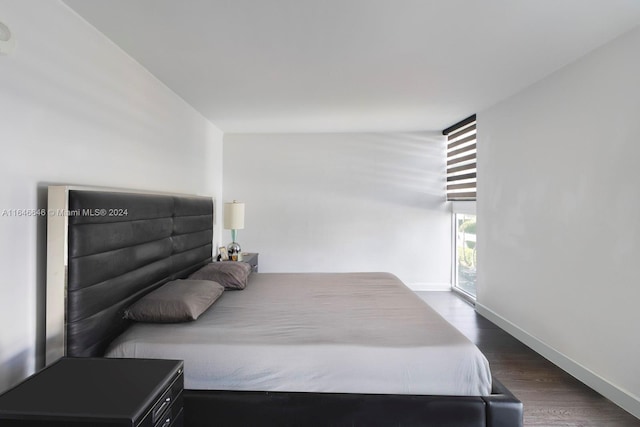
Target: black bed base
x=204, y=408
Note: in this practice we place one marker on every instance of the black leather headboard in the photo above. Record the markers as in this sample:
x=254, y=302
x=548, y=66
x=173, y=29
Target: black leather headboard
x=122, y=246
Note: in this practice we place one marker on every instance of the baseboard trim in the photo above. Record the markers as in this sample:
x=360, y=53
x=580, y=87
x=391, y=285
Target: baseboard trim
x=423, y=286
x=620, y=397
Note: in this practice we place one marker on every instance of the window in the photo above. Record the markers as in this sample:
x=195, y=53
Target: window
x=461, y=160
x=464, y=279
x=461, y=190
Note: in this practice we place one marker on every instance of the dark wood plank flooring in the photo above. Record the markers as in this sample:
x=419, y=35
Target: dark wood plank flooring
x=551, y=396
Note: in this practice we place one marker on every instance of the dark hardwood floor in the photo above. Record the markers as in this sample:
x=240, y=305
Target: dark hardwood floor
x=551, y=397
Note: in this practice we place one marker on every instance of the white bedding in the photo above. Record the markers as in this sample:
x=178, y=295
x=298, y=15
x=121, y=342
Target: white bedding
x=319, y=332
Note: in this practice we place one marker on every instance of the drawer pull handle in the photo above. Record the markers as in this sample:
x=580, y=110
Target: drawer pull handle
x=166, y=422
x=159, y=411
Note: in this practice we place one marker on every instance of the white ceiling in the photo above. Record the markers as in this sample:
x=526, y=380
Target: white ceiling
x=353, y=65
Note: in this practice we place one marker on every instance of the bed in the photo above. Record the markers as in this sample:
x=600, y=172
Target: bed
x=290, y=349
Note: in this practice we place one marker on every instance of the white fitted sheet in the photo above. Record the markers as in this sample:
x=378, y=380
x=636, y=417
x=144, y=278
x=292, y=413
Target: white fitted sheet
x=317, y=332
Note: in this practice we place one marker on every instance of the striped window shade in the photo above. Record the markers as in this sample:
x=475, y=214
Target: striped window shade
x=461, y=160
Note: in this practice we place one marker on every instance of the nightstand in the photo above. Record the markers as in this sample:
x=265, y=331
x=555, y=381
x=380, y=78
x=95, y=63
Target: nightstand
x=251, y=259
x=98, y=391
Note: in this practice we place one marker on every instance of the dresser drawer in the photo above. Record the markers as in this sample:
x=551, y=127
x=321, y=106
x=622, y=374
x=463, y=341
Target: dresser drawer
x=252, y=260
x=172, y=417
x=166, y=406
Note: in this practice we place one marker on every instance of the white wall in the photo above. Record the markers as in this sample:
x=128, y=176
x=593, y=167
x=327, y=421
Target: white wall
x=343, y=202
x=74, y=109
x=558, y=211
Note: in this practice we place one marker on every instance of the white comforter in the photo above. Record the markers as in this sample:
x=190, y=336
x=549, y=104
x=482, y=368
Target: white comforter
x=320, y=332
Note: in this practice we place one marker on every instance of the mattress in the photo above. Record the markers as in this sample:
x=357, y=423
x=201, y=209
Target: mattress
x=317, y=332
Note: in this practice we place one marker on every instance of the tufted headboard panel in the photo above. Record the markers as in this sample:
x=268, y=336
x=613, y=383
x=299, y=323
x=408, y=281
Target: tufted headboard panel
x=121, y=246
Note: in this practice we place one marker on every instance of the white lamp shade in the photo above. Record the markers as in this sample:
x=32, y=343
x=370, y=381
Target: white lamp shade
x=234, y=216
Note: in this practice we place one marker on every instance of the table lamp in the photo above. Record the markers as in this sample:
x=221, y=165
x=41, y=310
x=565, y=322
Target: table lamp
x=234, y=221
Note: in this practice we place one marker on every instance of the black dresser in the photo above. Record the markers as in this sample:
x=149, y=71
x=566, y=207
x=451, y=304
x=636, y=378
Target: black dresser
x=98, y=392
x=252, y=260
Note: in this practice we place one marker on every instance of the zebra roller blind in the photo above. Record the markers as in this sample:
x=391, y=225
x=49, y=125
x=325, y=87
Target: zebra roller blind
x=461, y=160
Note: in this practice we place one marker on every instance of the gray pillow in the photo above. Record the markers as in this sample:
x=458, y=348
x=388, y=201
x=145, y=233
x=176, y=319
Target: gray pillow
x=230, y=274
x=175, y=301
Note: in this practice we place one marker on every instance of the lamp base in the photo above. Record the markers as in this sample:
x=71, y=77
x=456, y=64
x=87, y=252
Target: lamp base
x=235, y=252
